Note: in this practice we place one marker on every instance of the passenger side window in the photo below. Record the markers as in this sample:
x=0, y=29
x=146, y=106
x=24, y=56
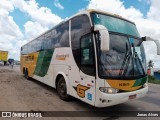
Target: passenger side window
x=47, y=41
x=64, y=39
x=80, y=26
x=87, y=55
x=60, y=36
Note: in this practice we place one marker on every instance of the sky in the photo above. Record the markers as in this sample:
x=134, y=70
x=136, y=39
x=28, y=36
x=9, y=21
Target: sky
x=23, y=20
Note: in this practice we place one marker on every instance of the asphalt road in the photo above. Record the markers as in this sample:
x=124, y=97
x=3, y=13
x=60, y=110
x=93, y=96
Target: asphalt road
x=18, y=94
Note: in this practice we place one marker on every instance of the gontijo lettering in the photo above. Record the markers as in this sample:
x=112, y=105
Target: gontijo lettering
x=62, y=57
x=123, y=84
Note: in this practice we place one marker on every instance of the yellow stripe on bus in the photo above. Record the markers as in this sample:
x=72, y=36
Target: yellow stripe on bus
x=29, y=63
x=123, y=84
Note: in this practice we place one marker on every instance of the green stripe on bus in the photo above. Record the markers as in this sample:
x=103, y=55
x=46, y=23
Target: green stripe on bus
x=140, y=82
x=43, y=62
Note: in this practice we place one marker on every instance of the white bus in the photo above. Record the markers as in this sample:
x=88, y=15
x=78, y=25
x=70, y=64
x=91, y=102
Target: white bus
x=94, y=56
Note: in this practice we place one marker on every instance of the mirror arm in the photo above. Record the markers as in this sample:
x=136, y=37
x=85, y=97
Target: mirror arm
x=157, y=42
x=92, y=29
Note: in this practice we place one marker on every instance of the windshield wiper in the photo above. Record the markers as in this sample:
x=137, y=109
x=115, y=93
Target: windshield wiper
x=125, y=62
x=135, y=55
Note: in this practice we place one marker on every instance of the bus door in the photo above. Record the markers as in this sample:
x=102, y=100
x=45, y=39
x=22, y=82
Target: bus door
x=83, y=78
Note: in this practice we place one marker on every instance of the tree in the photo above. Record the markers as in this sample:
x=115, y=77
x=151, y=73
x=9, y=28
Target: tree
x=150, y=64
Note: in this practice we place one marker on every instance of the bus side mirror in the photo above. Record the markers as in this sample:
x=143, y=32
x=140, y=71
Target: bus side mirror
x=157, y=42
x=103, y=37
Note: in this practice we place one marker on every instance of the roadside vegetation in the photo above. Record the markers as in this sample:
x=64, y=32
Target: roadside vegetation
x=151, y=79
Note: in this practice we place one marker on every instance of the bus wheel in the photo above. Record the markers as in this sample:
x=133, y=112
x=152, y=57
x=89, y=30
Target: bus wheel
x=62, y=89
x=26, y=75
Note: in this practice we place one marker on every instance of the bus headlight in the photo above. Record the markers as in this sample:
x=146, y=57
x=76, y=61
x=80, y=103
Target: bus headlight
x=108, y=90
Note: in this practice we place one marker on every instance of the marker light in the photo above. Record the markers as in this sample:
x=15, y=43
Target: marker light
x=108, y=90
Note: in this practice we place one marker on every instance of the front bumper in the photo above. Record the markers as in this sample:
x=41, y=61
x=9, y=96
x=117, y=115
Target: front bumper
x=105, y=100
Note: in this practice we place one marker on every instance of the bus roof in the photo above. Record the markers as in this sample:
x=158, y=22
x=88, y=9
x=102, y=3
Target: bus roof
x=88, y=11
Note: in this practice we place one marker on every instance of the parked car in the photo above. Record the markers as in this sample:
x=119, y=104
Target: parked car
x=1, y=63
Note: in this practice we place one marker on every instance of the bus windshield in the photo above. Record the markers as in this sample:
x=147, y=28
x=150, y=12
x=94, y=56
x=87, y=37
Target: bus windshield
x=126, y=57
x=114, y=24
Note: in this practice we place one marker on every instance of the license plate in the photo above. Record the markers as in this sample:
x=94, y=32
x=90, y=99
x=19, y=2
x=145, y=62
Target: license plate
x=132, y=97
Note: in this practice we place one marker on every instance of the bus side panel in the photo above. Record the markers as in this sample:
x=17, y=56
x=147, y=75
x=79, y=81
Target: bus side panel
x=53, y=72
x=43, y=62
x=29, y=61
x=42, y=65
x=58, y=65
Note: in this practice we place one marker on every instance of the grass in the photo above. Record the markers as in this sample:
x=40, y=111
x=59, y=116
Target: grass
x=151, y=79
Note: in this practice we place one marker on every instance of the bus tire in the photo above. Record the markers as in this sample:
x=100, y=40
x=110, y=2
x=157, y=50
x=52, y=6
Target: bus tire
x=26, y=74
x=62, y=90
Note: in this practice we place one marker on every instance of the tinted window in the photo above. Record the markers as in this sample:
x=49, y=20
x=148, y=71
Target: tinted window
x=41, y=43
x=58, y=37
x=24, y=50
x=47, y=41
x=64, y=36
x=125, y=59
x=87, y=55
x=80, y=26
x=34, y=45
x=29, y=48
